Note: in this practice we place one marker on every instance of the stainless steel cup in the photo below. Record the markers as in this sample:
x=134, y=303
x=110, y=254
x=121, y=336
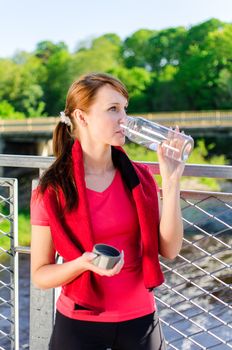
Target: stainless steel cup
x=107, y=256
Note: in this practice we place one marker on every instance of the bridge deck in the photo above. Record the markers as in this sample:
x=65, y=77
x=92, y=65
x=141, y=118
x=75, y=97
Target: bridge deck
x=211, y=119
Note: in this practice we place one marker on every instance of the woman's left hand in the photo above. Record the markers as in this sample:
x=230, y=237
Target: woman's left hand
x=171, y=224
x=171, y=170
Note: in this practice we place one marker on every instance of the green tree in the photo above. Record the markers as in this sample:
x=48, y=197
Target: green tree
x=162, y=93
x=55, y=60
x=204, y=62
x=20, y=83
x=102, y=55
x=58, y=81
x=135, y=47
x=197, y=35
x=136, y=80
x=170, y=69
x=163, y=56
x=9, y=80
x=220, y=43
x=159, y=53
x=164, y=48
x=7, y=111
x=45, y=49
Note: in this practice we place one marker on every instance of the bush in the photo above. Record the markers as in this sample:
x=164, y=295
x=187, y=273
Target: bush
x=200, y=155
x=7, y=111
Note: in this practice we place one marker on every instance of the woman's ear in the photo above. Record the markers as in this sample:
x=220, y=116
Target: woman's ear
x=79, y=117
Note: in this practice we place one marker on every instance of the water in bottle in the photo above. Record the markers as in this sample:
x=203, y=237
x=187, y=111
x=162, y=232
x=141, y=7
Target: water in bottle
x=144, y=132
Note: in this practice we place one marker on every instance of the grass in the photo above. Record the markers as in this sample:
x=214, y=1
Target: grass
x=24, y=229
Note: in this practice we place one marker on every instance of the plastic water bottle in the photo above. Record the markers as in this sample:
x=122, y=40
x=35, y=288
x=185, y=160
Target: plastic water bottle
x=176, y=144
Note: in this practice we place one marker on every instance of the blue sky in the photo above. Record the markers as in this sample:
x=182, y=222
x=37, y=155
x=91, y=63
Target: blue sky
x=26, y=22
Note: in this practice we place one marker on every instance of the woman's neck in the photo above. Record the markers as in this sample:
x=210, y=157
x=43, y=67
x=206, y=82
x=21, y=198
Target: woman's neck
x=97, y=161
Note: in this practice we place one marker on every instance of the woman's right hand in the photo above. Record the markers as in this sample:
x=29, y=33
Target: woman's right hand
x=47, y=274
x=86, y=261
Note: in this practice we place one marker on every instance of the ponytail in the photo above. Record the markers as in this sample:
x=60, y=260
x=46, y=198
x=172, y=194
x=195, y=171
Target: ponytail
x=62, y=140
x=60, y=173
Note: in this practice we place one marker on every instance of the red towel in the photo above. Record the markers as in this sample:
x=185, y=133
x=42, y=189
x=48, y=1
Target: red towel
x=71, y=243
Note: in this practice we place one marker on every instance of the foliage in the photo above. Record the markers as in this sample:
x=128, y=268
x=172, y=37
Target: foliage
x=20, y=83
x=200, y=155
x=164, y=48
x=137, y=80
x=24, y=229
x=7, y=111
x=172, y=69
x=55, y=62
x=135, y=47
x=57, y=81
x=103, y=54
x=206, y=54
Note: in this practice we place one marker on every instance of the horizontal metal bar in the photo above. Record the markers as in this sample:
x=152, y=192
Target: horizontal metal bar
x=199, y=195
x=196, y=170
x=22, y=249
x=25, y=161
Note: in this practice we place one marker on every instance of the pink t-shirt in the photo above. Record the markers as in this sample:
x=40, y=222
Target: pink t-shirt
x=115, y=222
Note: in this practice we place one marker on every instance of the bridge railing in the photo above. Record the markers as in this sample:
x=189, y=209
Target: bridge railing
x=184, y=119
x=194, y=303
x=30, y=125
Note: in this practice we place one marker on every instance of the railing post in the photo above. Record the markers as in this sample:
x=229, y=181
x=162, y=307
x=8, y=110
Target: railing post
x=41, y=317
x=41, y=311
x=2, y=144
x=15, y=263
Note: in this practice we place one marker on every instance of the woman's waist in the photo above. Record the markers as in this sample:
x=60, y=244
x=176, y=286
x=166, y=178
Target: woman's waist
x=129, y=278
x=120, y=293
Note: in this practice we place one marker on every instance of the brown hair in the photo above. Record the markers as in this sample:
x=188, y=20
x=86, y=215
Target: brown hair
x=81, y=95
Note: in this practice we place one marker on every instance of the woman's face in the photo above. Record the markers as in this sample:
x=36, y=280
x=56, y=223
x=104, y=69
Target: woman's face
x=105, y=116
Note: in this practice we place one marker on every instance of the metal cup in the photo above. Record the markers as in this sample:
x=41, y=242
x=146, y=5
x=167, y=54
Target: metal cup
x=107, y=256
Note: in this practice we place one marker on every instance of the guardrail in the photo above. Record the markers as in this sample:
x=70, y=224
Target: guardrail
x=186, y=119
x=194, y=303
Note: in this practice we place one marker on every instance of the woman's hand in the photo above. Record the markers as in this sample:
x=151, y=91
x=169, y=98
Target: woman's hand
x=171, y=225
x=87, y=258
x=171, y=170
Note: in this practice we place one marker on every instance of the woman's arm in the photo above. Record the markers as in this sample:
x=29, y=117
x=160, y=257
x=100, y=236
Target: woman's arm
x=171, y=225
x=46, y=273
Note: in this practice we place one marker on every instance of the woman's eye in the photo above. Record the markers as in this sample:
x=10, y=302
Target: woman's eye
x=116, y=108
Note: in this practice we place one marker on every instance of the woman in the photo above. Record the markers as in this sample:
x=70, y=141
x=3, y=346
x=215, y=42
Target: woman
x=92, y=194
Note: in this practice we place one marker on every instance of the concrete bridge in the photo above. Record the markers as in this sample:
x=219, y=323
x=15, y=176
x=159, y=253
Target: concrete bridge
x=32, y=136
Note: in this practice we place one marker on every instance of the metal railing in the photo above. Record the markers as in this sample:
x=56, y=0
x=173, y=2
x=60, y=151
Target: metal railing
x=194, y=303
x=9, y=299
x=195, y=300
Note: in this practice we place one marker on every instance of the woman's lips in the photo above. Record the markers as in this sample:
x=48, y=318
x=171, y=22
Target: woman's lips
x=120, y=132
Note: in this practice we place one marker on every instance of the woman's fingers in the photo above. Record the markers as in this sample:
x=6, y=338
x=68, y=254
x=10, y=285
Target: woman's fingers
x=88, y=258
x=116, y=269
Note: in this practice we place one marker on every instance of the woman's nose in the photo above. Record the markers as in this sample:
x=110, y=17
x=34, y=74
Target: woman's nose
x=123, y=118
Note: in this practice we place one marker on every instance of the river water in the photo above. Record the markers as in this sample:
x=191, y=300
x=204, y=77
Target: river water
x=204, y=301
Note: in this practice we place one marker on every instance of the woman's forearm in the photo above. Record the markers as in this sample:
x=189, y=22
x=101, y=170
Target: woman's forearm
x=171, y=224
x=55, y=275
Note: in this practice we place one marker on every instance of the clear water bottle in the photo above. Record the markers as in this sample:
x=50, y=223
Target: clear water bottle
x=144, y=132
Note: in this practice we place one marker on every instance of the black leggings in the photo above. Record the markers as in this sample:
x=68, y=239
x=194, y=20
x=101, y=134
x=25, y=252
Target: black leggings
x=143, y=333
